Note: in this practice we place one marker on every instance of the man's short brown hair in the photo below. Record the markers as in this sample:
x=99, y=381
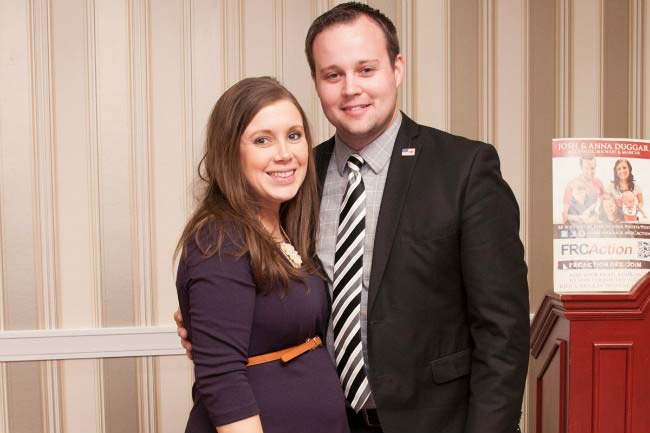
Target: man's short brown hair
x=347, y=13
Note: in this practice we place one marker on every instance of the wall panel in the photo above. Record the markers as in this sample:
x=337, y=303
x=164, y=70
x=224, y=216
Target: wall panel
x=174, y=389
x=586, y=68
x=406, y=30
x=22, y=384
x=616, y=68
x=139, y=20
x=45, y=221
x=322, y=128
x=170, y=181
x=82, y=396
x=543, y=112
x=296, y=75
x=233, y=47
x=4, y=404
x=636, y=89
x=114, y=161
x=464, y=80
x=262, y=55
x=120, y=395
x=77, y=195
x=487, y=24
x=174, y=128
x=208, y=67
x=431, y=63
x=75, y=138
x=18, y=187
x=511, y=98
x=24, y=391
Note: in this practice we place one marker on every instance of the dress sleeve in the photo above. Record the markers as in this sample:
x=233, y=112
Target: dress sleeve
x=220, y=298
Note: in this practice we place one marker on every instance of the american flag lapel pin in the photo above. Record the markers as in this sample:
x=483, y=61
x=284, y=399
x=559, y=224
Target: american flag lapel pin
x=408, y=151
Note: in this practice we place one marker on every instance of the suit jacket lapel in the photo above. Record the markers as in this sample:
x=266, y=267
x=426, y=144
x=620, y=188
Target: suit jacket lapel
x=397, y=183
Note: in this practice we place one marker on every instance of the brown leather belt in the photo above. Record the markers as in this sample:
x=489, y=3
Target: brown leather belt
x=287, y=354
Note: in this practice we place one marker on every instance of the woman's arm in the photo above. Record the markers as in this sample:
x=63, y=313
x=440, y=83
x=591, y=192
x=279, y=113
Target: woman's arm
x=217, y=298
x=248, y=425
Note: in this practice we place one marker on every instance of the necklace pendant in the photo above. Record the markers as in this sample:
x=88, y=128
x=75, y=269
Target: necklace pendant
x=291, y=254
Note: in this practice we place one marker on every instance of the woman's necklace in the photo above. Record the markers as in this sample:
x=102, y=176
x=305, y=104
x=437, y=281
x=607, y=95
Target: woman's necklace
x=289, y=251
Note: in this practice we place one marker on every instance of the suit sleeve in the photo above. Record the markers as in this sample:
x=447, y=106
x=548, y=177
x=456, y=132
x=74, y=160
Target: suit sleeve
x=495, y=277
x=220, y=296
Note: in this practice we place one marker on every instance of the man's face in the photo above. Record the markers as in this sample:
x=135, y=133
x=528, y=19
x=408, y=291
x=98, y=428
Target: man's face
x=355, y=81
x=588, y=169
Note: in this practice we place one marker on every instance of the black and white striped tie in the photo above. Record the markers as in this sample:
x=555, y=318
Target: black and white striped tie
x=348, y=273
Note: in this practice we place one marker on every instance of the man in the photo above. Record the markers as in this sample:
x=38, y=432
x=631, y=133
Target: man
x=419, y=239
x=593, y=189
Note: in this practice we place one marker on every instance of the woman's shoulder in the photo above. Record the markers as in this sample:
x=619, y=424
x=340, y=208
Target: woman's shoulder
x=213, y=239
x=213, y=253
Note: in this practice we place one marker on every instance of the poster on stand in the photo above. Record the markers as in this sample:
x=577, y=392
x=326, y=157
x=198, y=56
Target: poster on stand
x=601, y=217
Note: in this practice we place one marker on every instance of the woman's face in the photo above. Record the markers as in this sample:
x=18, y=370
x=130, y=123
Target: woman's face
x=623, y=170
x=274, y=153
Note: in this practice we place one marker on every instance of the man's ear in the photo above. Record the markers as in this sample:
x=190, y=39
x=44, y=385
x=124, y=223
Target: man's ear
x=398, y=69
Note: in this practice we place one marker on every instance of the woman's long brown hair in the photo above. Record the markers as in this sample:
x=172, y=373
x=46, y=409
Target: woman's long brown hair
x=226, y=203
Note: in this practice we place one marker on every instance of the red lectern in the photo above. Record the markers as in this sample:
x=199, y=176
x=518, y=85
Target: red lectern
x=590, y=365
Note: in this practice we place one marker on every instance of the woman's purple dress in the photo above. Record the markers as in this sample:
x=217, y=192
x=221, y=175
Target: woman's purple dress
x=228, y=322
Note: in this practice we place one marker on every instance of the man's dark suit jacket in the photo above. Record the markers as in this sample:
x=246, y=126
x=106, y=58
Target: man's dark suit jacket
x=448, y=313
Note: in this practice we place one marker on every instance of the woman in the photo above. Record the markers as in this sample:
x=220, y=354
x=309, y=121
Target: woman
x=624, y=181
x=248, y=282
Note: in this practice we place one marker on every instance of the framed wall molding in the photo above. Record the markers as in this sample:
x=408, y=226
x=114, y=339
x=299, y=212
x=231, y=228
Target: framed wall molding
x=91, y=343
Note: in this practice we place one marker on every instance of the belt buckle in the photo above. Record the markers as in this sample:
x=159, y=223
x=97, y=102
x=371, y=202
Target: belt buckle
x=370, y=417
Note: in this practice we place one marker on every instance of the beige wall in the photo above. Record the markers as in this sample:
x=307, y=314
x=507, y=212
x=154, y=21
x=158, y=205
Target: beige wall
x=102, y=112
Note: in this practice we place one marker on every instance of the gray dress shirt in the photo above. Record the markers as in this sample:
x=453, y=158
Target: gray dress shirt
x=377, y=159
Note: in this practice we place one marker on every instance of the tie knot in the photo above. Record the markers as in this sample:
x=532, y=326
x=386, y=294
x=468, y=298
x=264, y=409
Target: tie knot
x=355, y=162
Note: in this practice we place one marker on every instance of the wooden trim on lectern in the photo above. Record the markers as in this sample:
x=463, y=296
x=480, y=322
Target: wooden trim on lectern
x=544, y=321
x=609, y=306
x=560, y=345
x=588, y=306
